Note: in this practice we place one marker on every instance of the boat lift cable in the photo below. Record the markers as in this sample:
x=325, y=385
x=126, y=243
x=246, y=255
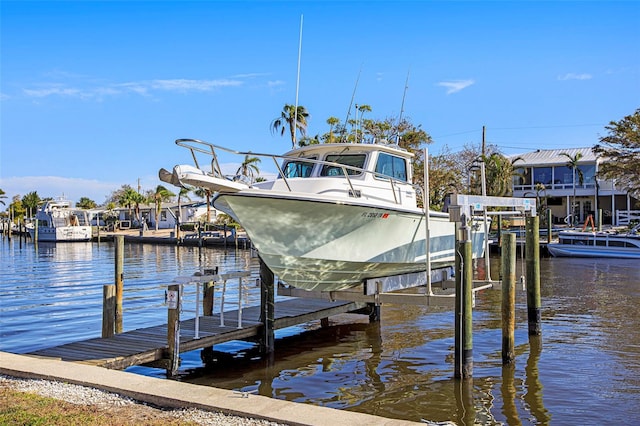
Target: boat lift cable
x=426, y=202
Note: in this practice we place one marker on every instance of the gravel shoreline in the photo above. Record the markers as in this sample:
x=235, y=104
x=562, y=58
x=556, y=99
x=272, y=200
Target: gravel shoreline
x=81, y=395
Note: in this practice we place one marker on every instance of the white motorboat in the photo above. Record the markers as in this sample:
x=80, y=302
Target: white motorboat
x=57, y=221
x=597, y=244
x=336, y=215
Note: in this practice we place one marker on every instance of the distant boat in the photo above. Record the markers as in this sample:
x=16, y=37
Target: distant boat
x=336, y=214
x=597, y=244
x=57, y=221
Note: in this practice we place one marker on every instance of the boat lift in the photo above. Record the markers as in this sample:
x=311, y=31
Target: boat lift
x=385, y=289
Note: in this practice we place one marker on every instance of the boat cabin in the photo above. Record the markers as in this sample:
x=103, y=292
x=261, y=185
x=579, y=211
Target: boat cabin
x=370, y=171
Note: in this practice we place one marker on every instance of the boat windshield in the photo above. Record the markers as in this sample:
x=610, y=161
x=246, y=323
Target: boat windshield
x=390, y=165
x=353, y=160
x=297, y=168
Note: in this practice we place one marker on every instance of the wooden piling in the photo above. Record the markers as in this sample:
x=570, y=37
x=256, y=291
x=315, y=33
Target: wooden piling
x=599, y=220
x=173, y=328
x=207, y=298
x=549, y=226
x=267, y=305
x=119, y=281
x=108, y=310
x=532, y=261
x=463, y=313
x=508, y=270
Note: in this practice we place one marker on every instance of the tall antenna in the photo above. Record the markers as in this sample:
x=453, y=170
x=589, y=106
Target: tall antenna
x=353, y=95
x=295, y=114
x=404, y=94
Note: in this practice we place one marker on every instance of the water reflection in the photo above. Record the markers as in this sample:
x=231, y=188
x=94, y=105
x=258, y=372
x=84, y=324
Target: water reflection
x=533, y=395
x=401, y=367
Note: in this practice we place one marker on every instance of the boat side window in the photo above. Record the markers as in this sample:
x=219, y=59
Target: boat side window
x=614, y=243
x=390, y=165
x=297, y=168
x=353, y=160
x=601, y=243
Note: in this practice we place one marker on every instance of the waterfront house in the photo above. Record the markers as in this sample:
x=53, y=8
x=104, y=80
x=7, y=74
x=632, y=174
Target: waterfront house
x=544, y=174
x=189, y=212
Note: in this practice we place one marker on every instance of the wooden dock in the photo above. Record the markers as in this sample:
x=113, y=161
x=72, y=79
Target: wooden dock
x=149, y=345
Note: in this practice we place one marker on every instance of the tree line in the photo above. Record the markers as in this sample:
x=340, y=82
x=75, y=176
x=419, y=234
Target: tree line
x=449, y=172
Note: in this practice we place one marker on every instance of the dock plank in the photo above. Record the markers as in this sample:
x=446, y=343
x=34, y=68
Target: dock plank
x=149, y=344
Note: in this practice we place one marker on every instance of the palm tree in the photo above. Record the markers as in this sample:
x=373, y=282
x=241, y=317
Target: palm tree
x=184, y=192
x=358, y=123
x=161, y=194
x=127, y=198
x=31, y=201
x=2, y=195
x=249, y=168
x=499, y=174
x=294, y=118
x=205, y=193
x=332, y=122
x=86, y=203
x=572, y=163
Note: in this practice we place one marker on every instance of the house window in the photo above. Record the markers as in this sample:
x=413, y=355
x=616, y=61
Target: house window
x=563, y=175
x=522, y=176
x=542, y=175
x=588, y=174
x=163, y=216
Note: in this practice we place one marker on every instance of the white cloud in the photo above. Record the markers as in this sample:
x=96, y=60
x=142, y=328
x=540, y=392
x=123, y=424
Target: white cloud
x=142, y=88
x=184, y=85
x=574, y=76
x=55, y=186
x=52, y=91
x=455, y=86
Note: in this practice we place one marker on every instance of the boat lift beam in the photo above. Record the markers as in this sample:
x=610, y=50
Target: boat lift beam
x=472, y=205
x=445, y=299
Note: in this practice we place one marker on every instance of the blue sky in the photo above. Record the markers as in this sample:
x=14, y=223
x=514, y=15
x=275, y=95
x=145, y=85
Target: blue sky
x=93, y=94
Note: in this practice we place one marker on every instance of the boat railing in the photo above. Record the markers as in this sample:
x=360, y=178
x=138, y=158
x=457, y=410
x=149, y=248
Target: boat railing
x=207, y=148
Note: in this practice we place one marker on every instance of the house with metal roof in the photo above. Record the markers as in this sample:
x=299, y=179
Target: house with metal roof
x=545, y=175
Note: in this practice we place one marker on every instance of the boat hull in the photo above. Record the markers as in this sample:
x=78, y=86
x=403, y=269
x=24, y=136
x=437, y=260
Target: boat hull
x=562, y=250
x=64, y=233
x=329, y=245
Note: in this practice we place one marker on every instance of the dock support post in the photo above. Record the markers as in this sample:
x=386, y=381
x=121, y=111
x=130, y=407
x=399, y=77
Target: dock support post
x=108, y=310
x=119, y=281
x=207, y=310
x=508, y=269
x=532, y=260
x=173, y=328
x=207, y=298
x=599, y=220
x=267, y=311
x=463, y=313
x=549, y=226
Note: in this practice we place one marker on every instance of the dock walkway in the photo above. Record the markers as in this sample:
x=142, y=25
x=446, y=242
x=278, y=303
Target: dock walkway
x=148, y=345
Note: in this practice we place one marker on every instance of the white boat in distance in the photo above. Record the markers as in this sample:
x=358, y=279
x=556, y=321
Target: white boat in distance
x=597, y=244
x=57, y=221
x=336, y=214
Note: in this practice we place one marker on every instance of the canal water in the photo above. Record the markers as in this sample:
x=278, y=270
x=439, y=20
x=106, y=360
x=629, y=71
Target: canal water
x=584, y=369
